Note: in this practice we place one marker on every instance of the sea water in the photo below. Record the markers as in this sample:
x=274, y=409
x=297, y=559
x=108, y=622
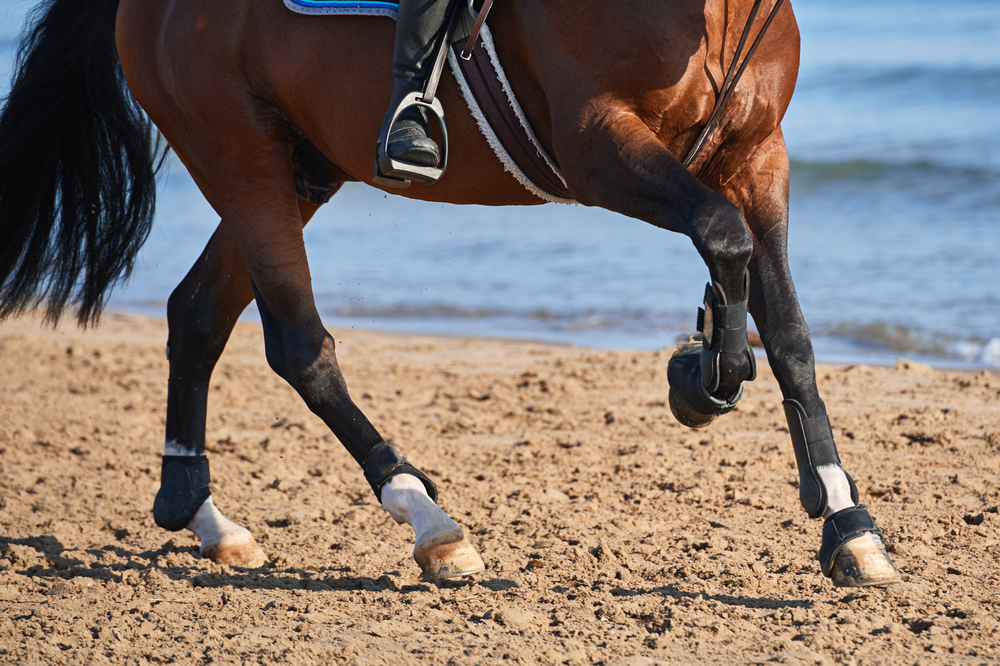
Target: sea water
x=894, y=242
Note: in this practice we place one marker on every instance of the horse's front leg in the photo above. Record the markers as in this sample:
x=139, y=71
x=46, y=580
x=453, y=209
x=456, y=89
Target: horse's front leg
x=615, y=161
x=852, y=553
x=201, y=314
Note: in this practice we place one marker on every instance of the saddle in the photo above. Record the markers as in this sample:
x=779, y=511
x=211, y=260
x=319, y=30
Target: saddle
x=473, y=60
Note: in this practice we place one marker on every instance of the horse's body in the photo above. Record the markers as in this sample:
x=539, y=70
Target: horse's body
x=269, y=109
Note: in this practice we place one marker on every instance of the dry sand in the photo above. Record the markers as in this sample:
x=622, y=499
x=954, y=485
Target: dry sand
x=611, y=534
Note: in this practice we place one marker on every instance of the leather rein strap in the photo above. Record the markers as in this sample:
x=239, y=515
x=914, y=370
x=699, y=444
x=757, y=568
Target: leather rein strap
x=732, y=77
x=725, y=91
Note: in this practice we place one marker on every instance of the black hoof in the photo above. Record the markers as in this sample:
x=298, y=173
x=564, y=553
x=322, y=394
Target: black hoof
x=690, y=402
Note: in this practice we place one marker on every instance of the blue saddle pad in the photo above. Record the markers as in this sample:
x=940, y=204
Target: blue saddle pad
x=344, y=7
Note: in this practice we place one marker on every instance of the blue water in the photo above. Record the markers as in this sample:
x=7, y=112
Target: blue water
x=894, y=136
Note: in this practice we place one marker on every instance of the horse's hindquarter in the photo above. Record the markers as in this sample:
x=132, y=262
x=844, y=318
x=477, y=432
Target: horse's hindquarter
x=325, y=78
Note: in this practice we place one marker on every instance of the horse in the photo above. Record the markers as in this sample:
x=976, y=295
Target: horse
x=271, y=112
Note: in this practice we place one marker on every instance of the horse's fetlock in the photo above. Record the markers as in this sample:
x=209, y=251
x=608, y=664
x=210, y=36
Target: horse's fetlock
x=184, y=487
x=706, y=378
x=690, y=402
x=730, y=373
x=384, y=462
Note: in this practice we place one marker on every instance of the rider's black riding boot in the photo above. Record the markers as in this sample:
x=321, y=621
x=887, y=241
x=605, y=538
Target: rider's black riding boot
x=420, y=26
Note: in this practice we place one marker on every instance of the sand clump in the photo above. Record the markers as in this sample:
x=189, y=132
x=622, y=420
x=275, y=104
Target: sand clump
x=611, y=534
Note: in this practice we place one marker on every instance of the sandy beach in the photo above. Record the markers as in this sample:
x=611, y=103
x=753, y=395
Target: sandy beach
x=611, y=534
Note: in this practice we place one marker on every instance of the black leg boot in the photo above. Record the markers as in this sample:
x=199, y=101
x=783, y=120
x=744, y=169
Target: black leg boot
x=411, y=153
x=698, y=371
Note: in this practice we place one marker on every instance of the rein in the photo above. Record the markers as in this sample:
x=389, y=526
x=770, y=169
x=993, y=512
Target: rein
x=732, y=77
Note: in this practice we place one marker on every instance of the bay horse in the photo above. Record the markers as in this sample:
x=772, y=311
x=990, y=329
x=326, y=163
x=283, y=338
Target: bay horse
x=272, y=111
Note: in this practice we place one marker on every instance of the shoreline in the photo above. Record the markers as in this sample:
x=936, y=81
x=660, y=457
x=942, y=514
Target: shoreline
x=876, y=357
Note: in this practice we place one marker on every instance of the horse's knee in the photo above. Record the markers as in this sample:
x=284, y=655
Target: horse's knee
x=720, y=235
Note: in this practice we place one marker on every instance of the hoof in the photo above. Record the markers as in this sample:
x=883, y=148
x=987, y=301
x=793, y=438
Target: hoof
x=689, y=402
x=687, y=416
x=852, y=554
x=863, y=562
x=448, y=555
x=238, y=550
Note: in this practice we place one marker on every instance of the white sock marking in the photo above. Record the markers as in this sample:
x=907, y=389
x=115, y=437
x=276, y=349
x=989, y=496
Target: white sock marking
x=406, y=500
x=174, y=448
x=208, y=523
x=211, y=526
x=838, y=488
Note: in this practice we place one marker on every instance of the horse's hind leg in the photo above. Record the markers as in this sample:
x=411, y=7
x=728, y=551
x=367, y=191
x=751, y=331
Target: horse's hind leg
x=201, y=313
x=254, y=192
x=852, y=553
x=302, y=352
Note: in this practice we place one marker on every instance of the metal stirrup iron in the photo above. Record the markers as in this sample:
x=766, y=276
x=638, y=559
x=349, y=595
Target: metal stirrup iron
x=396, y=173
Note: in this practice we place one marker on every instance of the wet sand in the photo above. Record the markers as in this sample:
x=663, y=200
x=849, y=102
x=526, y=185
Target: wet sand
x=611, y=534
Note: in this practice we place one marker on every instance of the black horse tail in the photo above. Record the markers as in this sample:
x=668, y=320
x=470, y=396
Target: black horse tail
x=78, y=163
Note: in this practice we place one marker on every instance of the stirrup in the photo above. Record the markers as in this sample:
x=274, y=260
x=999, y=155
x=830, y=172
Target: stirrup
x=394, y=173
